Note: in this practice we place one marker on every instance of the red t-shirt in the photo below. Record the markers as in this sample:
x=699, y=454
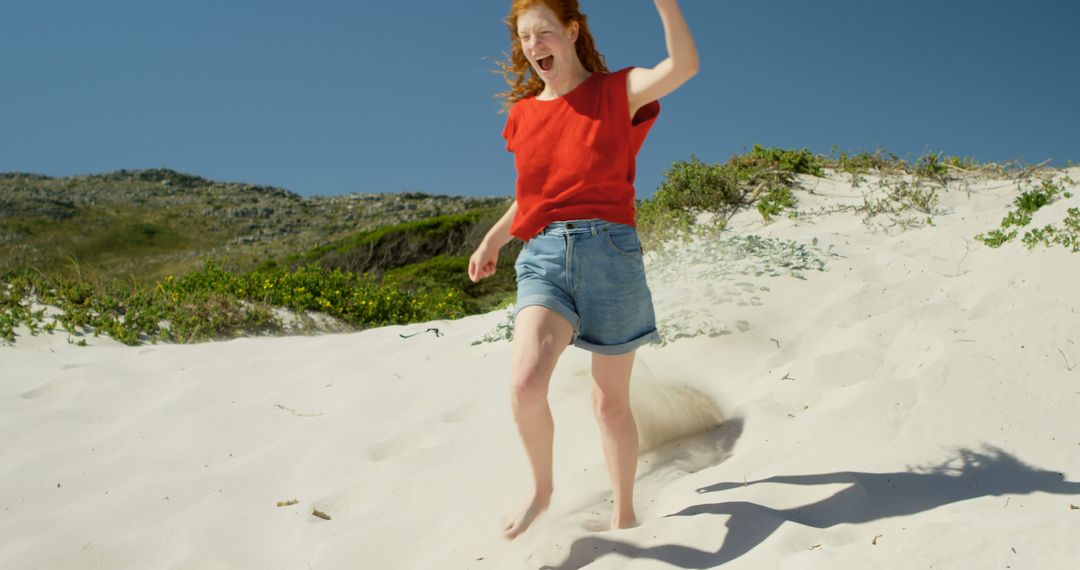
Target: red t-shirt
x=575, y=155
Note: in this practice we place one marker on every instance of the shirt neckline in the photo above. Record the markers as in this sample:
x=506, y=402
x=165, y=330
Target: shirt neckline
x=571, y=92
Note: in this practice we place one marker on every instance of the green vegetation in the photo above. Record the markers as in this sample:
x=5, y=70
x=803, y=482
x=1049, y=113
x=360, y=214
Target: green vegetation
x=961, y=163
x=401, y=273
x=776, y=201
x=693, y=187
x=213, y=303
x=1027, y=203
x=930, y=165
x=900, y=197
x=789, y=161
x=146, y=224
x=765, y=178
x=102, y=250
x=863, y=162
x=143, y=256
x=1067, y=236
x=425, y=254
x=400, y=244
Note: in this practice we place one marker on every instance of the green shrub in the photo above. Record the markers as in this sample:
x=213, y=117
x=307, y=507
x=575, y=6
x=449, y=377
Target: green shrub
x=1016, y=218
x=451, y=272
x=794, y=161
x=655, y=223
x=863, y=162
x=1027, y=203
x=858, y=164
x=689, y=188
x=398, y=244
x=1067, y=236
x=930, y=165
x=996, y=238
x=915, y=196
x=213, y=303
x=963, y=163
x=1030, y=201
x=775, y=201
x=693, y=187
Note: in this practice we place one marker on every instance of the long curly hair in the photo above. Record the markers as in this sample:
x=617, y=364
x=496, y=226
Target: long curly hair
x=516, y=70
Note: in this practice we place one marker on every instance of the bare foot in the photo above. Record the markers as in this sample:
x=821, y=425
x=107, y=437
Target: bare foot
x=512, y=527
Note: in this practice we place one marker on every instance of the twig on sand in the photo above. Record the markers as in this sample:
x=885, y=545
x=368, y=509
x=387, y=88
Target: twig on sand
x=296, y=413
x=787, y=376
x=757, y=191
x=776, y=341
x=435, y=330
x=320, y=514
x=876, y=536
x=967, y=250
x=288, y=503
x=815, y=546
x=1068, y=367
x=1027, y=171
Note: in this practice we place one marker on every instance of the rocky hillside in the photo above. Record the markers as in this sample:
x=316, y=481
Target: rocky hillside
x=151, y=223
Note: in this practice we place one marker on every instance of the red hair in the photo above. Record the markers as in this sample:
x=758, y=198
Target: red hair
x=516, y=69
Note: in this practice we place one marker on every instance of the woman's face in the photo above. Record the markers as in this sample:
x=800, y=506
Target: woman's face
x=547, y=45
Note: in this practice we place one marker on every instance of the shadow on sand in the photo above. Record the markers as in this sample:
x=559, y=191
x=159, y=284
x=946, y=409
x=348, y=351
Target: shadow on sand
x=869, y=496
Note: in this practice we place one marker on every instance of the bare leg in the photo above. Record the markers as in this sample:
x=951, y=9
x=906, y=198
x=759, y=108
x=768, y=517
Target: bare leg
x=540, y=336
x=611, y=402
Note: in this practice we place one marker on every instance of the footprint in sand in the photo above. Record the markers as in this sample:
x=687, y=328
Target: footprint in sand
x=52, y=387
x=402, y=444
x=38, y=392
x=459, y=414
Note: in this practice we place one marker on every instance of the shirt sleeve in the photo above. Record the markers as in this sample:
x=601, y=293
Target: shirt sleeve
x=510, y=129
x=645, y=117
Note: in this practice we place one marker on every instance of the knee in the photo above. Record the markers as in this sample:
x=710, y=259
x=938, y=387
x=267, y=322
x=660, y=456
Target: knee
x=529, y=383
x=610, y=409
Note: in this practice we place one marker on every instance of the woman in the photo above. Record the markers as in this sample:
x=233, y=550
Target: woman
x=575, y=129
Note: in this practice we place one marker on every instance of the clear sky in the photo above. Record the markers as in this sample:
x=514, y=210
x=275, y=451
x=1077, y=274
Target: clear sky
x=336, y=96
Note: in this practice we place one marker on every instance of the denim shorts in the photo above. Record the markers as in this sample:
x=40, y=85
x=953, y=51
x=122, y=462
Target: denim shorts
x=591, y=272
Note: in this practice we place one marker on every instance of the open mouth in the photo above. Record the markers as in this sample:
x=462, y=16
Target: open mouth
x=545, y=63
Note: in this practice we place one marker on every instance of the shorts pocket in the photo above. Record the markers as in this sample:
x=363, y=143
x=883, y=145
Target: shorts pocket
x=624, y=240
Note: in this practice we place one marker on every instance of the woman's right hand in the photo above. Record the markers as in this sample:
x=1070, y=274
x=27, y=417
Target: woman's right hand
x=482, y=262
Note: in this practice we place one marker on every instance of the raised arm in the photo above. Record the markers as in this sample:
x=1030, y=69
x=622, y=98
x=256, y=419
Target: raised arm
x=644, y=84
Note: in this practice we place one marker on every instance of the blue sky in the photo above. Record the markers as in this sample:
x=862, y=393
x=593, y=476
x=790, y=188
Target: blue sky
x=331, y=97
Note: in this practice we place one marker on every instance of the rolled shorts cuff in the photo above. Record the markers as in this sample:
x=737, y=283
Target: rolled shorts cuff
x=553, y=304
x=617, y=349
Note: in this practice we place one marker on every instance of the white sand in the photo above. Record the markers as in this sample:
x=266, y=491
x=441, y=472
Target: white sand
x=915, y=405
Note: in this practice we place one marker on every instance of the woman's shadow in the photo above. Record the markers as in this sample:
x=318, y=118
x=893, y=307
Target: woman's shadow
x=869, y=496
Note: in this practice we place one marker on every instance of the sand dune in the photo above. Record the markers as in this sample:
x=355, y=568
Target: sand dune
x=833, y=392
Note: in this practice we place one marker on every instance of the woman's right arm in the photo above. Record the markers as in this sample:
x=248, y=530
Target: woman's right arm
x=499, y=234
x=483, y=260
